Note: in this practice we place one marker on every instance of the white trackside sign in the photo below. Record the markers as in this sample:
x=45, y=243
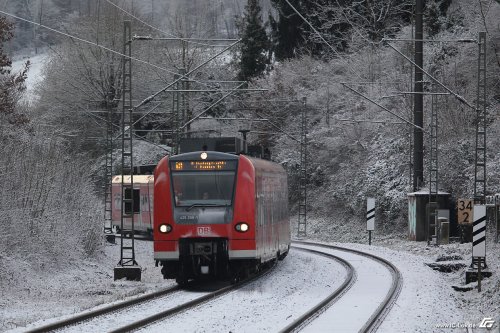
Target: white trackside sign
x=479, y=232
x=370, y=214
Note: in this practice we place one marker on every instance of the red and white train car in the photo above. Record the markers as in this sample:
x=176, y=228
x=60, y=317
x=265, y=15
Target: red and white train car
x=218, y=215
x=143, y=203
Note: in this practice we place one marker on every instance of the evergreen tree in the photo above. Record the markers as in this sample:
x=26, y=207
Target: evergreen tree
x=336, y=21
x=254, y=43
x=287, y=32
x=290, y=33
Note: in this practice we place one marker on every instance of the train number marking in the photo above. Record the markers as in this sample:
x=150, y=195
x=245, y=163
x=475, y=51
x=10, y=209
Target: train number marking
x=202, y=231
x=465, y=211
x=188, y=217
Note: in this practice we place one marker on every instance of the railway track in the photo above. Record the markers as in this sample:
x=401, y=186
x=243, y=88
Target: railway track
x=94, y=317
x=151, y=309
x=381, y=311
x=103, y=311
x=331, y=298
x=301, y=318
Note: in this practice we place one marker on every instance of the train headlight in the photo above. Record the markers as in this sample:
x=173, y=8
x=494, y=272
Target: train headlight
x=241, y=227
x=165, y=228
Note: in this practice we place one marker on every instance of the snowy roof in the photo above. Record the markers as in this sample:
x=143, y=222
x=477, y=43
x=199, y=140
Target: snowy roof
x=138, y=179
x=425, y=191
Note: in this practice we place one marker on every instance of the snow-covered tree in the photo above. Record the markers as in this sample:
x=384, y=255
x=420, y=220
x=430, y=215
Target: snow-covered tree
x=352, y=23
x=11, y=85
x=47, y=205
x=80, y=78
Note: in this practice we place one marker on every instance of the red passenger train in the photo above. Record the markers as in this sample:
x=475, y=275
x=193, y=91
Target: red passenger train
x=218, y=215
x=143, y=204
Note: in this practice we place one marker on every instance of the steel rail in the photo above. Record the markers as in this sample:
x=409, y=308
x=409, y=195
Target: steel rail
x=142, y=299
x=385, y=306
x=330, y=299
x=191, y=304
x=105, y=310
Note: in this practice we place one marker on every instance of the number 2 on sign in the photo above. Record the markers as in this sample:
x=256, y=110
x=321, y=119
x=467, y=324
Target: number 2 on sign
x=465, y=208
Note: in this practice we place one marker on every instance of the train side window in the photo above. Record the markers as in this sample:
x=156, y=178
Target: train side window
x=144, y=202
x=136, y=199
x=261, y=211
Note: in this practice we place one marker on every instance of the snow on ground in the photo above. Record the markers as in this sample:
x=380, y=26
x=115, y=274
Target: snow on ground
x=34, y=74
x=471, y=306
x=268, y=304
x=128, y=315
x=474, y=306
x=350, y=313
x=77, y=287
x=427, y=298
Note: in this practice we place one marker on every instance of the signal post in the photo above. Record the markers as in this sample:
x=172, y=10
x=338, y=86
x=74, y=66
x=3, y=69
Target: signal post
x=478, y=269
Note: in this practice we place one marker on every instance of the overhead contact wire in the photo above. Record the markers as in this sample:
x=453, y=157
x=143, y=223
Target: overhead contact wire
x=88, y=42
x=155, y=28
x=113, y=51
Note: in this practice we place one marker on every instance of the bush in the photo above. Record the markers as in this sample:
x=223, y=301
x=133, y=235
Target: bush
x=48, y=210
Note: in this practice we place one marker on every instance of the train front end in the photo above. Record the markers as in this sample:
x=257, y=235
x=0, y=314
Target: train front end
x=204, y=215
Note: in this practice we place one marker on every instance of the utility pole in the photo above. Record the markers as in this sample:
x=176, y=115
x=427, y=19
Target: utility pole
x=302, y=225
x=418, y=111
x=185, y=86
x=127, y=266
x=432, y=218
x=175, y=117
x=244, y=133
x=183, y=101
x=108, y=198
x=480, y=160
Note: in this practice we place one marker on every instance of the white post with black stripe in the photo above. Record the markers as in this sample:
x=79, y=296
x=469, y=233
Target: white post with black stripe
x=479, y=241
x=370, y=218
x=479, y=232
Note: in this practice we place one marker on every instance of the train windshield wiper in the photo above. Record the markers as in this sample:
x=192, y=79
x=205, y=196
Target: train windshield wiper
x=201, y=205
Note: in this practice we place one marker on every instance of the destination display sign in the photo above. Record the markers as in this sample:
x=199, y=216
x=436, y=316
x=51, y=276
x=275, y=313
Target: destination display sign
x=203, y=165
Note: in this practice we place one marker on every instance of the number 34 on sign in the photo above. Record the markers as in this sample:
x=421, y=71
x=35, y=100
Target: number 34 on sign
x=465, y=209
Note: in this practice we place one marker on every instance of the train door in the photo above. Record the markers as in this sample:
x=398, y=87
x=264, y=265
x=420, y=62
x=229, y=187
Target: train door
x=150, y=191
x=272, y=225
x=145, y=213
x=115, y=204
x=138, y=201
x=269, y=216
x=276, y=215
x=135, y=195
x=261, y=213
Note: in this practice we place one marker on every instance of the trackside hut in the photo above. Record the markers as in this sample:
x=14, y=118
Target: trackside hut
x=417, y=212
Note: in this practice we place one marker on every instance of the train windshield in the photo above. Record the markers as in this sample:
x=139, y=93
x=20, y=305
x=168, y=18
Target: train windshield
x=203, y=188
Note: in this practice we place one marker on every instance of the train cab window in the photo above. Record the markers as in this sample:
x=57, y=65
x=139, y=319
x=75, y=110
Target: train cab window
x=136, y=199
x=207, y=188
